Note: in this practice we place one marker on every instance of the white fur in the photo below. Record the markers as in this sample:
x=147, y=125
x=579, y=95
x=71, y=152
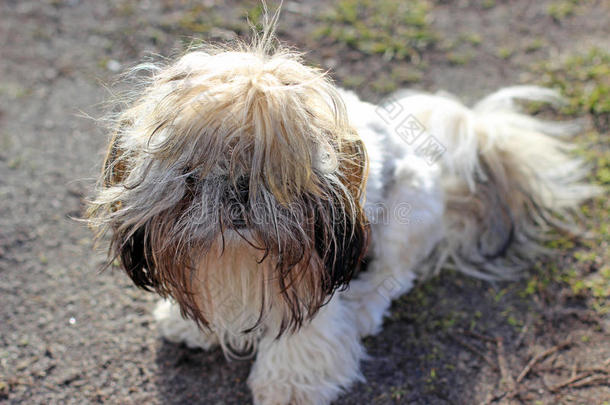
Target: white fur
x=173, y=327
x=493, y=155
x=311, y=366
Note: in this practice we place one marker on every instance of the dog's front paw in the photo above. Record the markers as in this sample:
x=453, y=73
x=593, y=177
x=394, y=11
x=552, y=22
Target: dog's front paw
x=173, y=327
x=282, y=392
x=265, y=393
x=311, y=366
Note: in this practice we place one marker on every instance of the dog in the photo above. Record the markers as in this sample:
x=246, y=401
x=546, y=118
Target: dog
x=234, y=186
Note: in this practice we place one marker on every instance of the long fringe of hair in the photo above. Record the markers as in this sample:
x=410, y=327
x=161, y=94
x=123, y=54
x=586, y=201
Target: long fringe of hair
x=242, y=138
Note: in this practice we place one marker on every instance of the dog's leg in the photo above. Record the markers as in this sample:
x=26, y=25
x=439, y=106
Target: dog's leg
x=176, y=329
x=403, y=236
x=311, y=366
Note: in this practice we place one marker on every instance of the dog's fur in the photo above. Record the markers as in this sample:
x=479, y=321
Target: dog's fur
x=234, y=187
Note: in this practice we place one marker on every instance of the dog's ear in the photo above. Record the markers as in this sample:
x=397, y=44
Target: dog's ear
x=344, y=252
x=135, y=254
x=343, y=248
x=131, y=246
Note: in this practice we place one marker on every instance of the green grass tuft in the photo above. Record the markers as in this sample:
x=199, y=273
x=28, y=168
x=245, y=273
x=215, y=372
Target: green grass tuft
x=584, y=79
x=562, y=9
x=505, y=52
x=396, y=30
x=459, y=58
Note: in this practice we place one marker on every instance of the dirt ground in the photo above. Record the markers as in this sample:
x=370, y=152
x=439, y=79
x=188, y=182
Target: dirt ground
x=69, y=334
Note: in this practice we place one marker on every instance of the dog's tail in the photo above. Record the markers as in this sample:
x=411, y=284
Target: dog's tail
x=508, y=179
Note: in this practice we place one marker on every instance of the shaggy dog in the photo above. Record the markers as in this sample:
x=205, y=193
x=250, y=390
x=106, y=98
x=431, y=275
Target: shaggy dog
x=234, y=186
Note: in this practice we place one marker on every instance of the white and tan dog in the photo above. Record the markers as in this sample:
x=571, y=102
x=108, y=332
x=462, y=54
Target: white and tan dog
x=234, y=187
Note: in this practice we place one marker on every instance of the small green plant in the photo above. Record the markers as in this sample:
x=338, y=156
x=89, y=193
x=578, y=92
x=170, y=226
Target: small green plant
x=584, y=79
x=255, y=15
x=384, y=84
x=472, y=38
x=397, y=393
x=505, y=52
x=562, y=9
x=406, y=74
x=396, y=30
x=534, y=45
x=196, y=20
x=458, y=58
x=487, y=4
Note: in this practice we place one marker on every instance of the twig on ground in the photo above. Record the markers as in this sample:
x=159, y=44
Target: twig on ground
x=592, y=380
x=493, y=398
x=589, y=376
x=569, y=381
x=507, y=377
x=581, y=380
x=539, y=357
x=524, y=330
x=574, y=370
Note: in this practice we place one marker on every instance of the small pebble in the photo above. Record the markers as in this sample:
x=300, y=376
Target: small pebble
x=113, y=65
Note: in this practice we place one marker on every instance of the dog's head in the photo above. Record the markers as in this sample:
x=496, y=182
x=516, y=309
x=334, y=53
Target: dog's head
x=246, y=146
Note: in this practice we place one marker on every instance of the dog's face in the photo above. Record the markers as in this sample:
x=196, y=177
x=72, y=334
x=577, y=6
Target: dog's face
x=241, y=163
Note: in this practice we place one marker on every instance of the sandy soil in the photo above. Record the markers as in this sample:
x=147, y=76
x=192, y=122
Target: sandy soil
x=71, y=335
